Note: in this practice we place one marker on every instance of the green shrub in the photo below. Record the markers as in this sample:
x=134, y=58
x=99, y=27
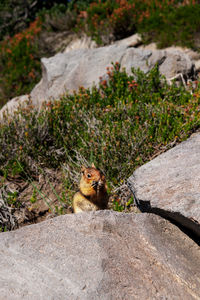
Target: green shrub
x=118, y=126
x=19, y=62
x=79, y=5
x=103, y=19
x=166, y=22
x=172, y=24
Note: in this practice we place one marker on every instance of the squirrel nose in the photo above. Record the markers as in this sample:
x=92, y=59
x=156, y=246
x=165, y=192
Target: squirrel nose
x=94, y=183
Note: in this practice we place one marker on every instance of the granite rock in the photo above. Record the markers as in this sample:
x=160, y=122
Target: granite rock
x=13, y=105
x=83, y=67
x=170, y=184
x=99, y=255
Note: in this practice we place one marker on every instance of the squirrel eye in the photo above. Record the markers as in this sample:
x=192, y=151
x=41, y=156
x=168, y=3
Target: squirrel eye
x=89, y=175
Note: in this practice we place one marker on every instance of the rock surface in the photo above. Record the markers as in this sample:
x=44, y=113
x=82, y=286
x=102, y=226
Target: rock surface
x=99, y=255
x=131, y=41
x=85, y=42
x=11, y=106
x=170, y=183
x=193, y=55
x=83, y=67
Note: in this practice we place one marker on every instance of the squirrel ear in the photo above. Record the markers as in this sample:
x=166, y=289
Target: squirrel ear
x=83, y=169
x=93, y=166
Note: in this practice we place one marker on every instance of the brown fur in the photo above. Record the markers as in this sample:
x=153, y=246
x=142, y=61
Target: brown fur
x=92, y=193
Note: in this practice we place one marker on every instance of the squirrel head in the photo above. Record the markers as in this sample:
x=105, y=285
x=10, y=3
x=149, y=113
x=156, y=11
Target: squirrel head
x=92, y=179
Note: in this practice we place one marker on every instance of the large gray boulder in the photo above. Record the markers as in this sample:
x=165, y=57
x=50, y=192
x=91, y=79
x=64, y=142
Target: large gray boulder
x=170, y=184
x=99, y=255
x=83, y=67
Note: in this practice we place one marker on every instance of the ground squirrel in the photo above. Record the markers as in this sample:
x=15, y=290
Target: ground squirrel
x=92, y=193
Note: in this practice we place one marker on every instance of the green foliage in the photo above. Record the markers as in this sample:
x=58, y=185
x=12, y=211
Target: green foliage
x=130, y=201
x=3, y=228
x=171, y=24
x=19, y=64
x=59, y=210
x=117, y=206
x=33, y=198
x=166, y=22
x=12, y=199
x=102, y=19
x=13, y=168
x=118, y=126
x=79, y=5
x=54, y=10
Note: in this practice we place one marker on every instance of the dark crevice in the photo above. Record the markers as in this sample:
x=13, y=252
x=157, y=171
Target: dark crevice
x=34, y=219
x=190, y=227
